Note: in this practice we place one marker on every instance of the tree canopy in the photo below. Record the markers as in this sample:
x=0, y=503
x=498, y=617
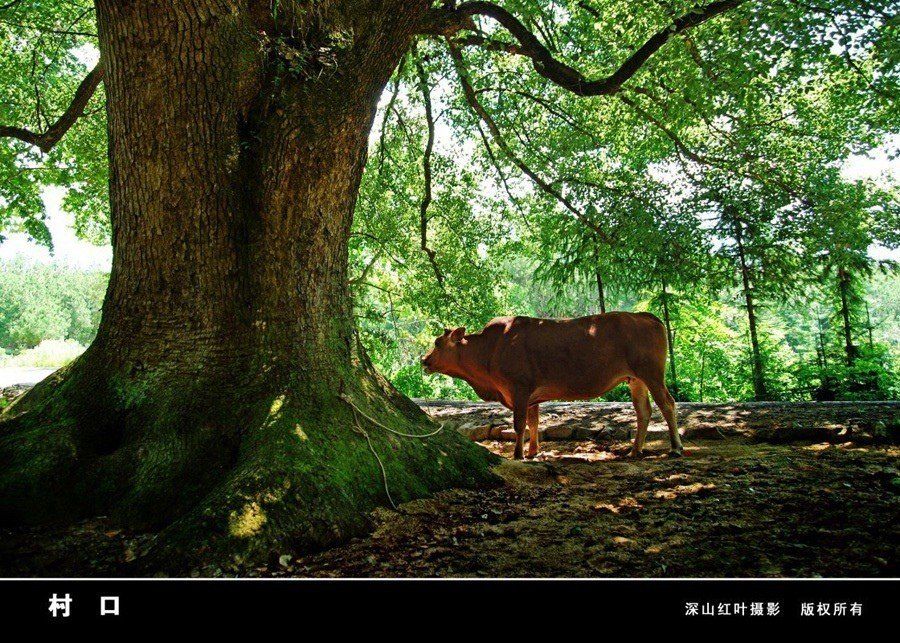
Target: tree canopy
x=606, y=146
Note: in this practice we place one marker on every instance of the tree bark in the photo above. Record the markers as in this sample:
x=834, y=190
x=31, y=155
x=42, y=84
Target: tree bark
x=869, y=328
x=825, y=391
x=601, y=290
x=601, y=295
x=702, y=372
x=823, y=362
x=760, y=393
x=670, y=336
x=212, y=404
x=850, y=349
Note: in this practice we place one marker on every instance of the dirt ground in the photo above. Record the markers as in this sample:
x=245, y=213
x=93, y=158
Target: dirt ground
x=728, y=508
x=733, y=506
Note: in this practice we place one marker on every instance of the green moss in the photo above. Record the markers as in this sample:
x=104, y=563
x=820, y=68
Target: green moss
x=132, y=391
x=305, y=477
x=246, y=471
x=277, y=403
x=248, y=522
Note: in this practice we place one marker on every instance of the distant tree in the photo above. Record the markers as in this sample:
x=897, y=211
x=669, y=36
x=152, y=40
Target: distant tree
x=848, y=219
x=755, y=250
x=39, y=302
x=666, y=260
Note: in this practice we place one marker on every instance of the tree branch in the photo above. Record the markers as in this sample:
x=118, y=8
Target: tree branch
x=490, y=44
x=426, y=168
x=502, y=177
x=366, y=270
x=10, y=5
x=57, y=130
x=559, y=72
x=497, y=135
x=382, y=149
x=768, y=177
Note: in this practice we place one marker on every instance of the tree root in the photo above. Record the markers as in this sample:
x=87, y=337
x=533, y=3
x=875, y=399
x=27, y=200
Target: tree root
x=226, y=477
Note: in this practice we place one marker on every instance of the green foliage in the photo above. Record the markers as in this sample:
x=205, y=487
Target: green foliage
x=47, y=302
x=43, y=48
x=710, y=181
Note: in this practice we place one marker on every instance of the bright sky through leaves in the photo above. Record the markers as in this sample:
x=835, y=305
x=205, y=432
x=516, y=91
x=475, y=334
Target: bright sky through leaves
x=77, y=253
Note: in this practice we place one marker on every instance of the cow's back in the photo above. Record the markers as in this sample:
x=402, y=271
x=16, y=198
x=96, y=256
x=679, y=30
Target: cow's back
x=576, y=353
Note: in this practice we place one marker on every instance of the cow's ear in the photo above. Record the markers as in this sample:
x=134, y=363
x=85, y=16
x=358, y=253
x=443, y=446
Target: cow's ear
x=458, y=334
x=447, y=331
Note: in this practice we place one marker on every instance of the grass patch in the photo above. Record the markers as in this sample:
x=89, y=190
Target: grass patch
x=50, y=353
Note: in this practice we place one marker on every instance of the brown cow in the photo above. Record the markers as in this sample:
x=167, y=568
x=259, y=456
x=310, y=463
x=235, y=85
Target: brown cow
x=523, y=361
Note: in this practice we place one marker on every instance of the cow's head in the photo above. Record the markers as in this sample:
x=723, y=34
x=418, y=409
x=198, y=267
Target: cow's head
x=445, y=353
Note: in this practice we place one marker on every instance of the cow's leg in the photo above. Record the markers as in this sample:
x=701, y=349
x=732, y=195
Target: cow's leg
x=520, y=413
x=666, y=404
x=533, y=427
x=640, y=397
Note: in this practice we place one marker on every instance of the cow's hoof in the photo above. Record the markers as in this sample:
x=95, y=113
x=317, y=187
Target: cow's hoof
x=517, y=456
x=531, y=456
x=675, y=453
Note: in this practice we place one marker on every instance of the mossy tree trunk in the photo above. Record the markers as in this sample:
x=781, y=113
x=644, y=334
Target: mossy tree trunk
x=212, y=403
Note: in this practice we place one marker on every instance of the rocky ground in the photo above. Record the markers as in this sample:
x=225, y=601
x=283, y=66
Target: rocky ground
x=728, y=508
x=9, y=393
x=606, y=421
x=771, y=490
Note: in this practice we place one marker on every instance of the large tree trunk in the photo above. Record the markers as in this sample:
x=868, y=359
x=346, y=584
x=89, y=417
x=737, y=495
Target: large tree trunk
x=213, y=401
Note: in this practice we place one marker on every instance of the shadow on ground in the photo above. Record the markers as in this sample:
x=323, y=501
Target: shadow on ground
x=734, y=506
x=728, y=508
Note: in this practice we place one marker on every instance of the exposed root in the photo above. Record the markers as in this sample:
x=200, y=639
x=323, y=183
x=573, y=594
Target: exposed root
x=225, y=475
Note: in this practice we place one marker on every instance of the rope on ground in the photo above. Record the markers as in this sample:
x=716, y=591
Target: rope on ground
x=377, y=457
x=387, y=428
x=356, y=410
